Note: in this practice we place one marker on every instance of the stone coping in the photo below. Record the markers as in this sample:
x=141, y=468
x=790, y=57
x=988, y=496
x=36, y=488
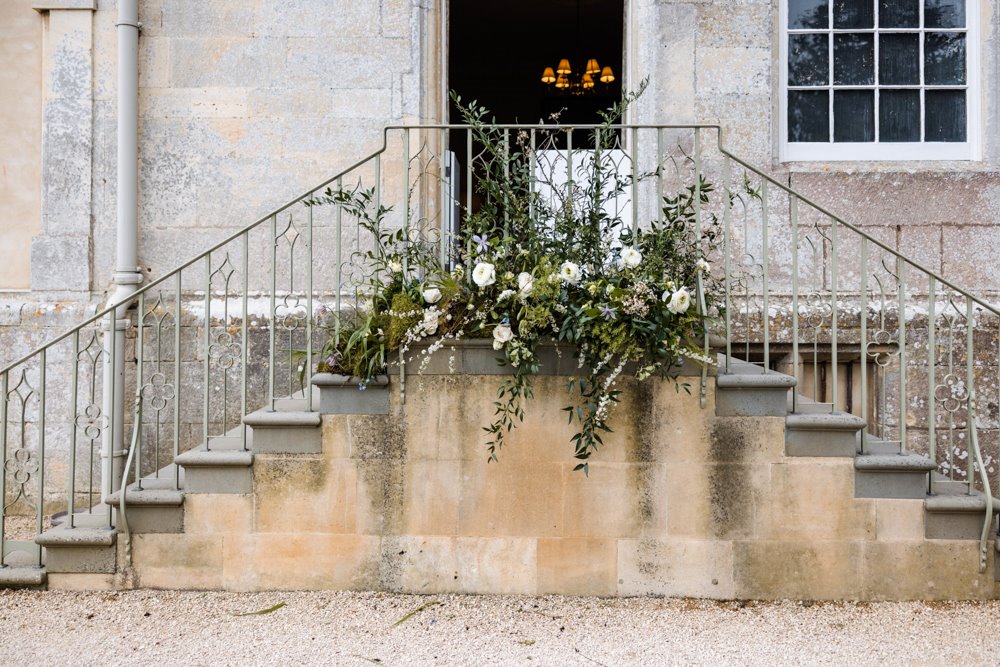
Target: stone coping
x=283, y=419
x=893, y=463
x=200, y=458
x=148, y=498
x=830, y=421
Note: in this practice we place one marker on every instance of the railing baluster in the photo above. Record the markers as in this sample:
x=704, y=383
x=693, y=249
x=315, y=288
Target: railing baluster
x=864, y=341
x=901, y=320
x=40, y=509
x=206, y=368
x=727, y=206
x=659, y=175
x=339, y=268
x=835, y=376
x=307, y=387
x=177, y=378
x=765, y=261
x=273, y=313
x=108, y=472
x=74, y=415
x=931, y=383
x=245, y=338
x=635, y=181
x=139, y=341
x=793, y=213
x=970, y=389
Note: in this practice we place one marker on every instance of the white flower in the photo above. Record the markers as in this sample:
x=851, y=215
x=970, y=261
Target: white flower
x=680, y=301
x=430, y=323
x=702, y=265
x=484, y=274
x=431, y=295
x=502, y=334
x=525, y=283
x=570, y=273
x=631, y=258
x=394, y=266
x=506, y=294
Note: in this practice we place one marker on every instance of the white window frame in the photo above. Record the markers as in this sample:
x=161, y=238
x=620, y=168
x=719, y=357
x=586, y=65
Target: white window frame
x=970, y=149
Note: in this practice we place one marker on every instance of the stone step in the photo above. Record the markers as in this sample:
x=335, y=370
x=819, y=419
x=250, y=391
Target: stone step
x=80, y=549
x=891, y=474
x=822, y=434
x=286, y=431
x=151, y=509
x=12, y=576
x=751, y=391
x=953, y=514
x=217, y=470
x=341, y=394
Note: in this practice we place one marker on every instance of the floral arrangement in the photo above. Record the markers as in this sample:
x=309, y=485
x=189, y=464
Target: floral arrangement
x=527, y=269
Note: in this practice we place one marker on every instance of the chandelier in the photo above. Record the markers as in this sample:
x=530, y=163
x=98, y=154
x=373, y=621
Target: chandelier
x=565, y=80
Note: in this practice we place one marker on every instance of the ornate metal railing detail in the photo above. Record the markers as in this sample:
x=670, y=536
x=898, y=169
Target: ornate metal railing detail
x=864, y=328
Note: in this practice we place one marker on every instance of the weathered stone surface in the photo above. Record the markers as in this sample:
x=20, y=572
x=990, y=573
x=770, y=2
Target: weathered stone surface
x=577, y=566
x=686, y=567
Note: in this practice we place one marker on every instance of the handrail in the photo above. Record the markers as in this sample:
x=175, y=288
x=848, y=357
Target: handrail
x=987, y=489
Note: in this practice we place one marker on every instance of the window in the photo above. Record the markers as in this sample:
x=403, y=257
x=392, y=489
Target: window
x=879, y=80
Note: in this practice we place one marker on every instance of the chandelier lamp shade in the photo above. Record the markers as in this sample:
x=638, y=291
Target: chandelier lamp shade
x=564, y=79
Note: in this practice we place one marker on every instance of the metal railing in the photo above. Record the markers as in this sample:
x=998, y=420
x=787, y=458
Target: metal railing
x=862, y=327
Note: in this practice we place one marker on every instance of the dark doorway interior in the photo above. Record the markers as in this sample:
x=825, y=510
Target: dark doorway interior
x=498, y=50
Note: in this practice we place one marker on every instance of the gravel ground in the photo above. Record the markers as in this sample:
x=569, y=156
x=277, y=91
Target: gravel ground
x=191, y=628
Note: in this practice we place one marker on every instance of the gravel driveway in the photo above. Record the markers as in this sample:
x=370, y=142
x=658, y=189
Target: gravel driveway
x=190, y=628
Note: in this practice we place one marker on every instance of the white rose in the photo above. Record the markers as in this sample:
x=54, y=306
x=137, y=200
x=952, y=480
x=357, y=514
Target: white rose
x=502, y=334
x=484, y=274
x=525, y=283
x=430, y=323
x=680, y=301
x=631, y=258
x=431, y=295
x=570, y=273
x=702, y=265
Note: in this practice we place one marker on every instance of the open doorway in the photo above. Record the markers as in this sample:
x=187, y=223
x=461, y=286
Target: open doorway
x=498, y=52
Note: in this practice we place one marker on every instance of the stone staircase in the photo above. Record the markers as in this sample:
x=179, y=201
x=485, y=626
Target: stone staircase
x=219, y=490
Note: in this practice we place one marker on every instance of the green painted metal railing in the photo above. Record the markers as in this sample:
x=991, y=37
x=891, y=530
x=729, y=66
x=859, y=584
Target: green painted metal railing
x=862, y=327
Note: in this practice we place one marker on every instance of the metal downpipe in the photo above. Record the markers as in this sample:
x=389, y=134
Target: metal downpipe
x=127, y=276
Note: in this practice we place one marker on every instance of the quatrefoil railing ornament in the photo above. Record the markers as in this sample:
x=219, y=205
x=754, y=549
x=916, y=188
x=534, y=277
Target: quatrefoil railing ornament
x=952, y=393
x=158, y=391
x=22, y=466
x=91, y=422
x=225, y=351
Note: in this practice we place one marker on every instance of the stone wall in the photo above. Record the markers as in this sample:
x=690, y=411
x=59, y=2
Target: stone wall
x=679, y=502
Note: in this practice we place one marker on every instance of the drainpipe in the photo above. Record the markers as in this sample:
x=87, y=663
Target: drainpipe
x=127, y=274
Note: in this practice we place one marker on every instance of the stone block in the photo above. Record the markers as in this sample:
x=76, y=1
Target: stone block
x=899, y=519
x=419, y=564
x=60, y=263
x=230, y=62
x=676, y=567
x=380, y=497
x=185, y=562
x=432, y=495
x=340, y=394
x=733, y=69
x=802, y=570
x=577, y=566
x=723, y=501
x=300, y=561
x=925, y=570
x=305, y=495
x=609, y=502
x=812, y=499
x=511, y=499
x=218, y=513
x=81, y=582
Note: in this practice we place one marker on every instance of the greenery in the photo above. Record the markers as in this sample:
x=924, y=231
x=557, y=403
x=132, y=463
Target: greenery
x=627, y=301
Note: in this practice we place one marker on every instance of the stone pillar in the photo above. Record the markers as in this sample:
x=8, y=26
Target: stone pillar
x=61, y=254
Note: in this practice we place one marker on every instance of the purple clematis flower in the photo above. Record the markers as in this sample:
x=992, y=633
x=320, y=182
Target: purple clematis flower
x=608, y=313
x=482, y=243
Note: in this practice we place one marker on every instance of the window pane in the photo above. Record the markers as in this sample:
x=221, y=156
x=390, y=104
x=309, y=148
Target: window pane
x=854, y=115
x=853, y=59
x=899, y=14
x=808, y=14
x=945, y=119
x=853, y=14
x=808, y=60
x=899, y=59
x=808, y=115
x=944, y=13
x=944, y=58
x=899, y=115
